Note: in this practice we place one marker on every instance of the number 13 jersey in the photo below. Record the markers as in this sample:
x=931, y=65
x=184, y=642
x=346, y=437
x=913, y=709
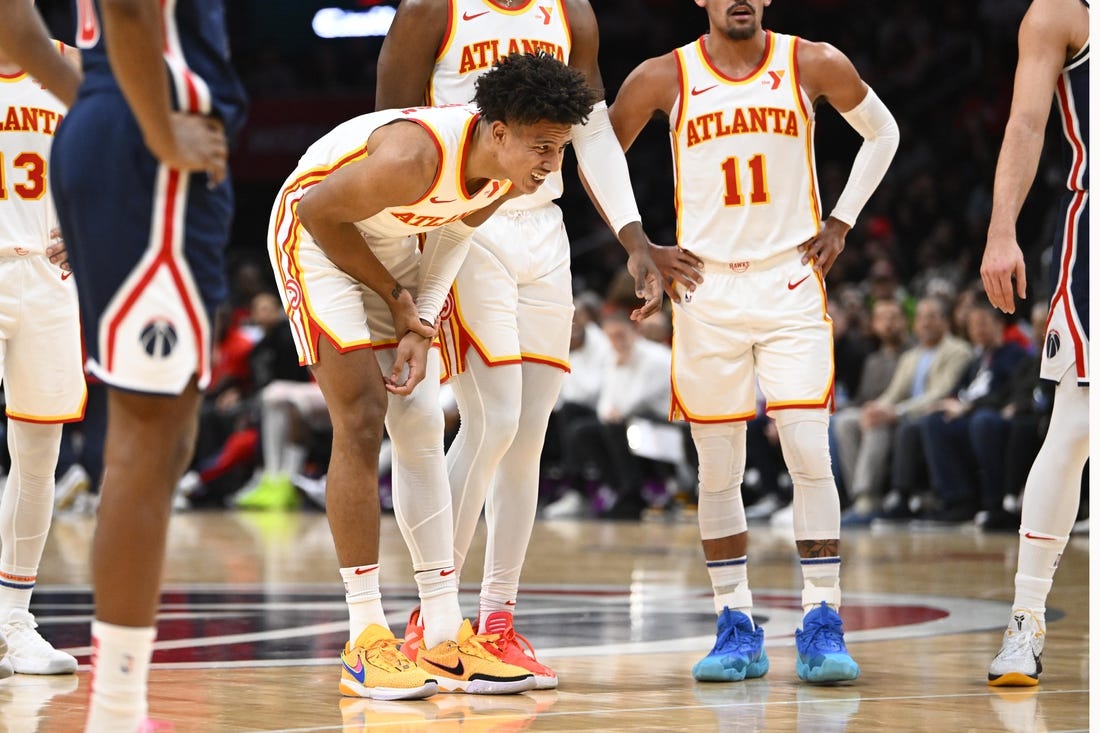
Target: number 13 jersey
x=746, y=184
x=29, y=116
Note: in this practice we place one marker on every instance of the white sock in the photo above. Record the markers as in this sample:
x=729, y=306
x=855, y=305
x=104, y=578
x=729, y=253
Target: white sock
x=120, y=676
x=1031, y=595
x=730, y=580
x=16, y=585
x=492, y=604
x=821, y=582
x=364, y=599
x=439, y=610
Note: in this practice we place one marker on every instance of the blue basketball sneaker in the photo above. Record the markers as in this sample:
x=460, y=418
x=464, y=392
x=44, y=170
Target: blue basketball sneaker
x=822, y=656
x=738, y=651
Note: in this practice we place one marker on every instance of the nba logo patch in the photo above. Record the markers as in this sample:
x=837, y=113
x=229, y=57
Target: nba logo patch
x=158, y=338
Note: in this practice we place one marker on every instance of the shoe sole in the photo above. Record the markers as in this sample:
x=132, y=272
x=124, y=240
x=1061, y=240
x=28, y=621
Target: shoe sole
x=350, y=688
x=48, y=670
x=542, y=682
x=830, y=670
x=1013, y=679
x=714, y=671
x=486, y=687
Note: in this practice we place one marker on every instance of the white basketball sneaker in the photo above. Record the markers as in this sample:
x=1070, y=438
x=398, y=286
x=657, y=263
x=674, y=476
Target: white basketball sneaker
x=1020, y=660
x=28, y=652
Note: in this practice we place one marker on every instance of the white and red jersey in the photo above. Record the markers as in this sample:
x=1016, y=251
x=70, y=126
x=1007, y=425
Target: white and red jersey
x=479, y=33
x=746, y=184
x=446, y=201
x=29, y=116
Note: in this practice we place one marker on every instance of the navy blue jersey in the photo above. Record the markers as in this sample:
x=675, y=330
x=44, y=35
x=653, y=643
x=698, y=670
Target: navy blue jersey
x=1067, y=329
x=1072, y=98
x=196, y=58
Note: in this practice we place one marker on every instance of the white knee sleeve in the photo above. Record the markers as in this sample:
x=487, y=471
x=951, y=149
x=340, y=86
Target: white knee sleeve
x=721, y=449
x=514, y=493
x=421, y=494
x=804, y=436
x=27, y=507
x=489, y=401
x=1053, y=490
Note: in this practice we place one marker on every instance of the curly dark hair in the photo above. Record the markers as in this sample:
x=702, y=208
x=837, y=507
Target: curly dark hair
x=529, y=88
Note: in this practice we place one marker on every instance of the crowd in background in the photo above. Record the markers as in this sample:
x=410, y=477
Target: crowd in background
x=917, y=436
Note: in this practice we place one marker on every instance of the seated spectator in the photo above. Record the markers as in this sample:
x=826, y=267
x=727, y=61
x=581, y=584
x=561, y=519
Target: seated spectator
x=289, y=405
x=1009, y=452
x=967, y=426
x=889, y=423
x=589, y=355
x=865, y=488
x=636, y=385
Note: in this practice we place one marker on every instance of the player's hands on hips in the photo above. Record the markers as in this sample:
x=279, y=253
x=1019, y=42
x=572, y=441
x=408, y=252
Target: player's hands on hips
x=410, y=365
x=198, y=144
x=1002, y=261
x=647, y=283
x=677, y=266
x=823, y=249
x=56, y=251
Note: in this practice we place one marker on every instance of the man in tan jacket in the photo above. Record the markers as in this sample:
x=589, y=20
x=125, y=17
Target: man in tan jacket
x=926, y=373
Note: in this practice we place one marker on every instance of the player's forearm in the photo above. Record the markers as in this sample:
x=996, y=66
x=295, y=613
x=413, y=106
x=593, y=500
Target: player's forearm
x=133, y=31
x=444, y=253
x=24, y=37
x=873, y=121
x=603, y=165
x=1016, y=167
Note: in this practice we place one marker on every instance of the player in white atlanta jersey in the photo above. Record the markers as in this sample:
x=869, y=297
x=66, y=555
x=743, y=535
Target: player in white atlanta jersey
x=740, y=103
x=506, y=338
x=40, y=360
x=344, y=250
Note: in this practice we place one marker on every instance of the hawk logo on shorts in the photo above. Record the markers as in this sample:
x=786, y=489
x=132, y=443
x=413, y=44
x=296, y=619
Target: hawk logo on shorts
x=158, y=338
x=739, y=266
x=448, y=307
x=1054, y=342
x=293, y=294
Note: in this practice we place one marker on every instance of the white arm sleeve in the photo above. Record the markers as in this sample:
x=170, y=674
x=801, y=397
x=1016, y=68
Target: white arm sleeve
x=873, y=121
x=444, y=252
x=603, y=164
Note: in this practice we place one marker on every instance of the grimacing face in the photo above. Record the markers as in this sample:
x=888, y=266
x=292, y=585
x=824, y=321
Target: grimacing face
x=530, y=153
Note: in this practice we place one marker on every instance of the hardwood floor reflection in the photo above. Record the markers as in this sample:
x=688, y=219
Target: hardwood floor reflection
x=253, y=617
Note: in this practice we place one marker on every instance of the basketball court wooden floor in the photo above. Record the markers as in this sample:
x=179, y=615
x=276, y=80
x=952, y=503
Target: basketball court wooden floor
x=253, y=618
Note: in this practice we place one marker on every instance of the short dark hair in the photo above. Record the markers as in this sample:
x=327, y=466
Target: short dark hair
x=529, y=88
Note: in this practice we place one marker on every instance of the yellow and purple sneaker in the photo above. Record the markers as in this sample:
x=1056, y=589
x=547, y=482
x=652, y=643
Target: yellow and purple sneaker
x=376, y=668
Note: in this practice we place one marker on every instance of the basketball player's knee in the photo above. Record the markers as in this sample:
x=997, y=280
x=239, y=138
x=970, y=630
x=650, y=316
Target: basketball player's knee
x=361, y=421
x=501, y=424
x=414, y=420
x=721, y=449
x=804, y=437
x=38, y=445
x=1070, y=419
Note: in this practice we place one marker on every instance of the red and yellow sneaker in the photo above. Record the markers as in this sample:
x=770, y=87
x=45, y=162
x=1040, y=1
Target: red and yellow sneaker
x=514, y=649
x=470, y=664
x=414, y=635
x=375, y=667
